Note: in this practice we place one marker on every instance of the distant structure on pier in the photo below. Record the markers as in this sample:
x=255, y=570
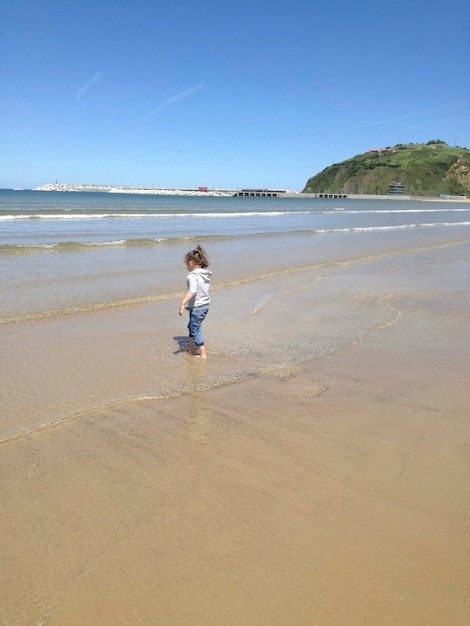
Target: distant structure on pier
x=396, y=189
x=260, y=193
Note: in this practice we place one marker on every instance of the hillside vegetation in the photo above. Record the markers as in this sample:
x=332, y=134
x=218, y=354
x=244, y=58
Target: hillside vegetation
x=425, y=169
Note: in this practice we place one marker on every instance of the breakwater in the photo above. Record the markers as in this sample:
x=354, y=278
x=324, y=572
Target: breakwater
x=161, y=191
x=257, y=193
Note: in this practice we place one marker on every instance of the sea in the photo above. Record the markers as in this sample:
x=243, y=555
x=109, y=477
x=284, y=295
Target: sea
x=90, y=285
x=38, y=221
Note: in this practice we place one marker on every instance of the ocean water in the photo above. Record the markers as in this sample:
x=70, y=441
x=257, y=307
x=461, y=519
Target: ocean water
x=63, y=250
x=90, y=285
x=38, y=221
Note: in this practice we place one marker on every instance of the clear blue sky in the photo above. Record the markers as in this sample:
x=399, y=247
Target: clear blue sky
x=224, y=94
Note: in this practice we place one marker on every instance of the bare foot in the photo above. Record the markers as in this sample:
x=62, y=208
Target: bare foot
x=196, y=353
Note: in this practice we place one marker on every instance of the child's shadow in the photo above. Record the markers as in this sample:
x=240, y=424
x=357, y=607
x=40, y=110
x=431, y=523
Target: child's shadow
x=183, y=344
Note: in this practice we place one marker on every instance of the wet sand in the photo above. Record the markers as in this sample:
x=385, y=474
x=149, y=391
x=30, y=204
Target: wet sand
x=331, y=492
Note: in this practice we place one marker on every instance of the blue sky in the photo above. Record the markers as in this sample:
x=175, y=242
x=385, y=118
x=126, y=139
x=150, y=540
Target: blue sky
x=223, y=94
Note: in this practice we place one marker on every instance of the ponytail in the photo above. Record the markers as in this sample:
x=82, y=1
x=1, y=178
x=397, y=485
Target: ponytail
x=199, y=256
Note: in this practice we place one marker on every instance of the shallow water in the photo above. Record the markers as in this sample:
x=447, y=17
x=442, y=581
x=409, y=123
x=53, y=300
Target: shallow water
x=90, y=285
x=85, y=327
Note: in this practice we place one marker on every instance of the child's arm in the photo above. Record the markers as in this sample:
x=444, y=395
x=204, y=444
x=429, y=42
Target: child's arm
x=184, y=301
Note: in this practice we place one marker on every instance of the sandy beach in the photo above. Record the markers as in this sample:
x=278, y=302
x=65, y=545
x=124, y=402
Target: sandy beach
x=330, y=492
x=313, y=470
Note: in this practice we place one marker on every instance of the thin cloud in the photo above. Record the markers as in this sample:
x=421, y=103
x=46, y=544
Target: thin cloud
x=395, y=119
x=392, y=120
x=87, y=86
x=177, y=98
x=407, y=117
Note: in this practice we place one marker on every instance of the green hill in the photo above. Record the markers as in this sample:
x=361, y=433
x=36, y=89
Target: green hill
x=425, y=169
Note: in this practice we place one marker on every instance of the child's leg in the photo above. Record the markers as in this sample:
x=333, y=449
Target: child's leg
x=196, y=317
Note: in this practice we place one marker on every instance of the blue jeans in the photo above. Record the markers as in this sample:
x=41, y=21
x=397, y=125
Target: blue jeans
x=196, y=317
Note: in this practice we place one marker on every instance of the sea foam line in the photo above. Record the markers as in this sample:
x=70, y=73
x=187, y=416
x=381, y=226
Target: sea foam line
x=101, y=216
x=89, y=411
x=72, y=216
x=87, y=308
x=25, y=248
x=392, y=227
x=373, y=211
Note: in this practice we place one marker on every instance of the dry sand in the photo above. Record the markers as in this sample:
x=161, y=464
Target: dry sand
x=334, y=492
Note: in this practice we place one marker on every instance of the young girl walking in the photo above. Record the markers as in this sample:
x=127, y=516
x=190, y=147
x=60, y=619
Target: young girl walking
x=197, y=298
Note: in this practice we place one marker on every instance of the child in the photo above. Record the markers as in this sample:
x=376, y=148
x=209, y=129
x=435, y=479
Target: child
x=197, y=298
